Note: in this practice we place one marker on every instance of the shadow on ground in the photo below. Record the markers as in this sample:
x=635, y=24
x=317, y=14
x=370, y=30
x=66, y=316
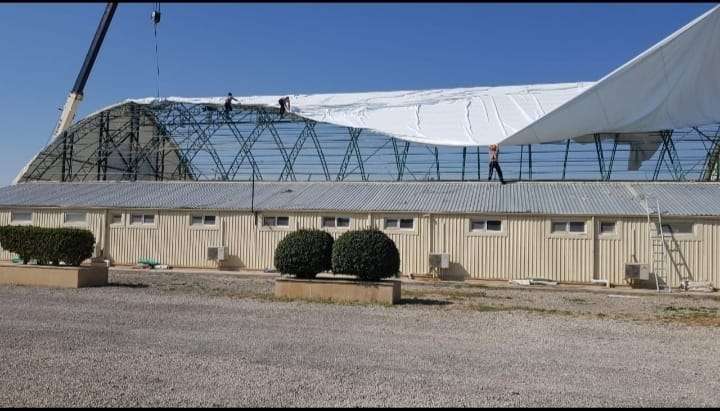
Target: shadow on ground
x=423, y=301
x=127, y=285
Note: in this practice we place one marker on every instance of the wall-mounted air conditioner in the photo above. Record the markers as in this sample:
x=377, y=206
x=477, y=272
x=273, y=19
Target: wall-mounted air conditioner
x=439, y=260
x=216, y=253
x=637, y=271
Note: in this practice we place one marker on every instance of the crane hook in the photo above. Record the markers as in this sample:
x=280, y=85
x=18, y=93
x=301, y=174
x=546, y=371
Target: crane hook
x=156, y=14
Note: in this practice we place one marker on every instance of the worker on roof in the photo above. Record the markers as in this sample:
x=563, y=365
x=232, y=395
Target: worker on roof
x=228, y=103
x=494, y=165
x=284, y=105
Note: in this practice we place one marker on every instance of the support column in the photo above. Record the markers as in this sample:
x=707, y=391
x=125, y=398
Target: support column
x=567, y=150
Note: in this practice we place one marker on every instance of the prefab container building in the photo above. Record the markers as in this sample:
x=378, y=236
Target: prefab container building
x=570, y=232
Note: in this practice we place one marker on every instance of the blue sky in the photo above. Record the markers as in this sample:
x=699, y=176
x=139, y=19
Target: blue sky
x=210, y=49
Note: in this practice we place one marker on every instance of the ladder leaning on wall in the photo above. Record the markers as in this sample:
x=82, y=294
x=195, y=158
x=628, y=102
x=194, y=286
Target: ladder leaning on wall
x=658, y=247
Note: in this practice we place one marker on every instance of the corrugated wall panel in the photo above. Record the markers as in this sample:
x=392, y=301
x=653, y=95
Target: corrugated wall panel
x=55, y=218
x=695, y=258
x=525, y=248
x=170, y=240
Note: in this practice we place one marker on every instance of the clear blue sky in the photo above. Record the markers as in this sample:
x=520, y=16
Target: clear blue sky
x=210, y=49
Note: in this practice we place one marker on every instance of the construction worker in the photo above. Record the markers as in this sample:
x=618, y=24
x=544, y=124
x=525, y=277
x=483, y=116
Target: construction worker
x=228, y=103
x=494, y=165
x=284, y=105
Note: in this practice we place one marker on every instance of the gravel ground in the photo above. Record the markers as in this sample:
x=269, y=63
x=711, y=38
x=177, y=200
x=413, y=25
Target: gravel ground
x=155, y=339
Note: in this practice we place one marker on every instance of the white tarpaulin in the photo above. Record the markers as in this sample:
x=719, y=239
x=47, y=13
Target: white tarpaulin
x=674, y=84
x=454, y=117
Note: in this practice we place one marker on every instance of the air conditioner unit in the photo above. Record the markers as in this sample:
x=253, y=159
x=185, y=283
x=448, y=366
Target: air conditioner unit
x=439, y=260
x=216, y=253
x=637, y=271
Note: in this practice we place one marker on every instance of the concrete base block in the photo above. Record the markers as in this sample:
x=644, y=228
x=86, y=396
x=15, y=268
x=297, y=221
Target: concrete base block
x=54, y=276
x=383, y=292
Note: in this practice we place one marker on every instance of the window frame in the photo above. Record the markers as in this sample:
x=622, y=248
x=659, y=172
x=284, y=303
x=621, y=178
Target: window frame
x=275, y=218
x=567, y=233
x=203, y=224
x=398, y=228
x=121, y=223
x=610, y=235
x=143, y=224
x=22, y=222
x=484, y=232
x=611, y=232
x=692, y=235
x=83, y=223
x=335, y=219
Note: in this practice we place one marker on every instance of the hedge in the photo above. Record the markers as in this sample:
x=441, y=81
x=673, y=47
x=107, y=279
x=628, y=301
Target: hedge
x=48, y=245
x=368, y=254
x=304, y=253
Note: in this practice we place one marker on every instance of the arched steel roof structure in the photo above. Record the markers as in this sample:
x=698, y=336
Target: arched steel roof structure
x=165, y=140
x=658, y=113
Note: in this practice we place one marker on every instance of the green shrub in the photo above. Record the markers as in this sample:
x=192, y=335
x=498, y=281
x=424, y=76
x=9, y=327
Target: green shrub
x=48, y=245
x=304, y=253
x=368, y=254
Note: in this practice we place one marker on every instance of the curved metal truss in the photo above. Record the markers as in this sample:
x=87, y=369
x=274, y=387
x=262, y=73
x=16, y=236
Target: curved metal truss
x=180, y=141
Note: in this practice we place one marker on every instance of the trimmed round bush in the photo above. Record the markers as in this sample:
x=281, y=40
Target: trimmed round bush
x=304, y=253
x=368, y=254
x=48, y=245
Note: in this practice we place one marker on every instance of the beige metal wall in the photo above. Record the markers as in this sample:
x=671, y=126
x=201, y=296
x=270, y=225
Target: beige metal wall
x=56, y=218
x=524, y=248
x=694, y=257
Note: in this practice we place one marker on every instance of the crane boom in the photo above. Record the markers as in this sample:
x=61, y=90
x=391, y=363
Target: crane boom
x=76, y=94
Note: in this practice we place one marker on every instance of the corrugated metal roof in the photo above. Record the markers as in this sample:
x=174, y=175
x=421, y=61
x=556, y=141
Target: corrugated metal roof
x=558, y=198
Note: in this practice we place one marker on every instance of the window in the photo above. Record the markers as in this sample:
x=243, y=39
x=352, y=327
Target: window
x=202, y=220
x=75, y=217
x=276, y=221
x=339, y=222
x=486, y=225
x=607, y=227
x=576, y=227
x=142, y=219
x=400, y=223
x=116, y=219
x=21, y=217
x=677, y=228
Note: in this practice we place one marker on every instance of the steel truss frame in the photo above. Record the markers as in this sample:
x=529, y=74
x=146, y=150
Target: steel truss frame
x=180, y=141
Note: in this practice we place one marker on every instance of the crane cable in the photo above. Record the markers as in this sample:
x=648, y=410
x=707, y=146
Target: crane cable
x=156, y=19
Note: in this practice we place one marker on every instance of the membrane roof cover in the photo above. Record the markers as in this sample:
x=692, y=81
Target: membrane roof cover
x=674, y=84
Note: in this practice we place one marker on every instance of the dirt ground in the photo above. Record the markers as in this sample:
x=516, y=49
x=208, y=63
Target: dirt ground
x=202, y=339
x=680, y=307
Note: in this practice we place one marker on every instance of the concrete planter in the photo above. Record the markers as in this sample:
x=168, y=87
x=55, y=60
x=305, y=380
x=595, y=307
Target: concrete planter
x=54, y=276
x=383, y=292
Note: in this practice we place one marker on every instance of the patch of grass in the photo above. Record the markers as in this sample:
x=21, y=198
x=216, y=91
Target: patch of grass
x=273, y=298
x=703, y=316
x=449, y=294
x=536, y=310
x=487, y=307
x=498, y=297
x=576, y=300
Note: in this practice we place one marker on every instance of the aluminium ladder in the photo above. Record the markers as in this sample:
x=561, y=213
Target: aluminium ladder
x=658, y=248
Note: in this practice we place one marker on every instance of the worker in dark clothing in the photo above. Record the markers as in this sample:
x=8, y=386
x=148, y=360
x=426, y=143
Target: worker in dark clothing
x=284, y=105
x=494, y=165
x=228, y=103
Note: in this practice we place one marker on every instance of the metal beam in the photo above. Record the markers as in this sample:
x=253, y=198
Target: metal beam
x=567, y=150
